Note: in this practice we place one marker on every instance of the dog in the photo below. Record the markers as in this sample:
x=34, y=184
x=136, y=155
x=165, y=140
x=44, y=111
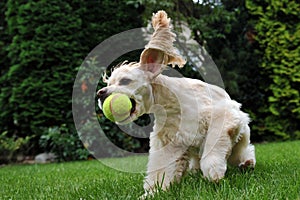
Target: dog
x=197, y=125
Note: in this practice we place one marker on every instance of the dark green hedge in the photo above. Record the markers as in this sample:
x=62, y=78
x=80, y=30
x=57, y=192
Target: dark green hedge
x=278, y=33
x=45, y=43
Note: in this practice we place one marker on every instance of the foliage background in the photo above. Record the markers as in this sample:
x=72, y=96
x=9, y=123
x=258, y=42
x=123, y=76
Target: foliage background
x=255, y=44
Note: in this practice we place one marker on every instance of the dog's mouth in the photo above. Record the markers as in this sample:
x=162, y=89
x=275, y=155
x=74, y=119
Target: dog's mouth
x=133, y=103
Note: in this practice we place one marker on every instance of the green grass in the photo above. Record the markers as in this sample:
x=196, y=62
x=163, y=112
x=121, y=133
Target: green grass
x=277, y=176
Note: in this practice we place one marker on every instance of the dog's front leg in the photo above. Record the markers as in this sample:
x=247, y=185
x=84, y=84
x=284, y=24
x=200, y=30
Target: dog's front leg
x=166, y=165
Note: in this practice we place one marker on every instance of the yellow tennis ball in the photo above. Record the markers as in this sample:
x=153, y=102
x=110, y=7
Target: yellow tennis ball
x=116, y=107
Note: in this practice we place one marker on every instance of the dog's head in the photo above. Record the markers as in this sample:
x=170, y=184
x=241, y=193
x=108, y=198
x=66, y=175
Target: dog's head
x=134, y=79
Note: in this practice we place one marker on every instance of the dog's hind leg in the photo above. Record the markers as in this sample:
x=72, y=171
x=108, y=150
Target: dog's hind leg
x=165, y=166
x=217, y=147
x=213, y=161
x=243, y=153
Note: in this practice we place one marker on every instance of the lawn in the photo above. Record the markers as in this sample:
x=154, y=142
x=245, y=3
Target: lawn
x=277, y=176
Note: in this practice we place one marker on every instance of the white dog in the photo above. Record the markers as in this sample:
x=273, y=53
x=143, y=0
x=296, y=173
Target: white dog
x=196, y=125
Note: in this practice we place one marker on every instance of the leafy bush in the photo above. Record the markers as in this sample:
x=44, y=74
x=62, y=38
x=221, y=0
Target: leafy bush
x=9, y=146
x=63, y=141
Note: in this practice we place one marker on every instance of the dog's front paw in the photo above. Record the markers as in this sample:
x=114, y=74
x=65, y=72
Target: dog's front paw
x=213, y=170
x=146, y=195
x=214, y=174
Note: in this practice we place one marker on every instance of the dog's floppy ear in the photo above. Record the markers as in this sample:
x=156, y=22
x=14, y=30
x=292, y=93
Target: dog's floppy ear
x=152, y=60
x=160, y=50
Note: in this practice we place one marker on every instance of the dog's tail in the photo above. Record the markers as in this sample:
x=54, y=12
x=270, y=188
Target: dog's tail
x=163, y=38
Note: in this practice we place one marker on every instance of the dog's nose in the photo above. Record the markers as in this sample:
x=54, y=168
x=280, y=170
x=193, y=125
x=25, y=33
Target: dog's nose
x=102, y=94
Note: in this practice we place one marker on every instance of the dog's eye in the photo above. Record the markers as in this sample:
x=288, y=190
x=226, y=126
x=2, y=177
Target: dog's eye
x=124, y=81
